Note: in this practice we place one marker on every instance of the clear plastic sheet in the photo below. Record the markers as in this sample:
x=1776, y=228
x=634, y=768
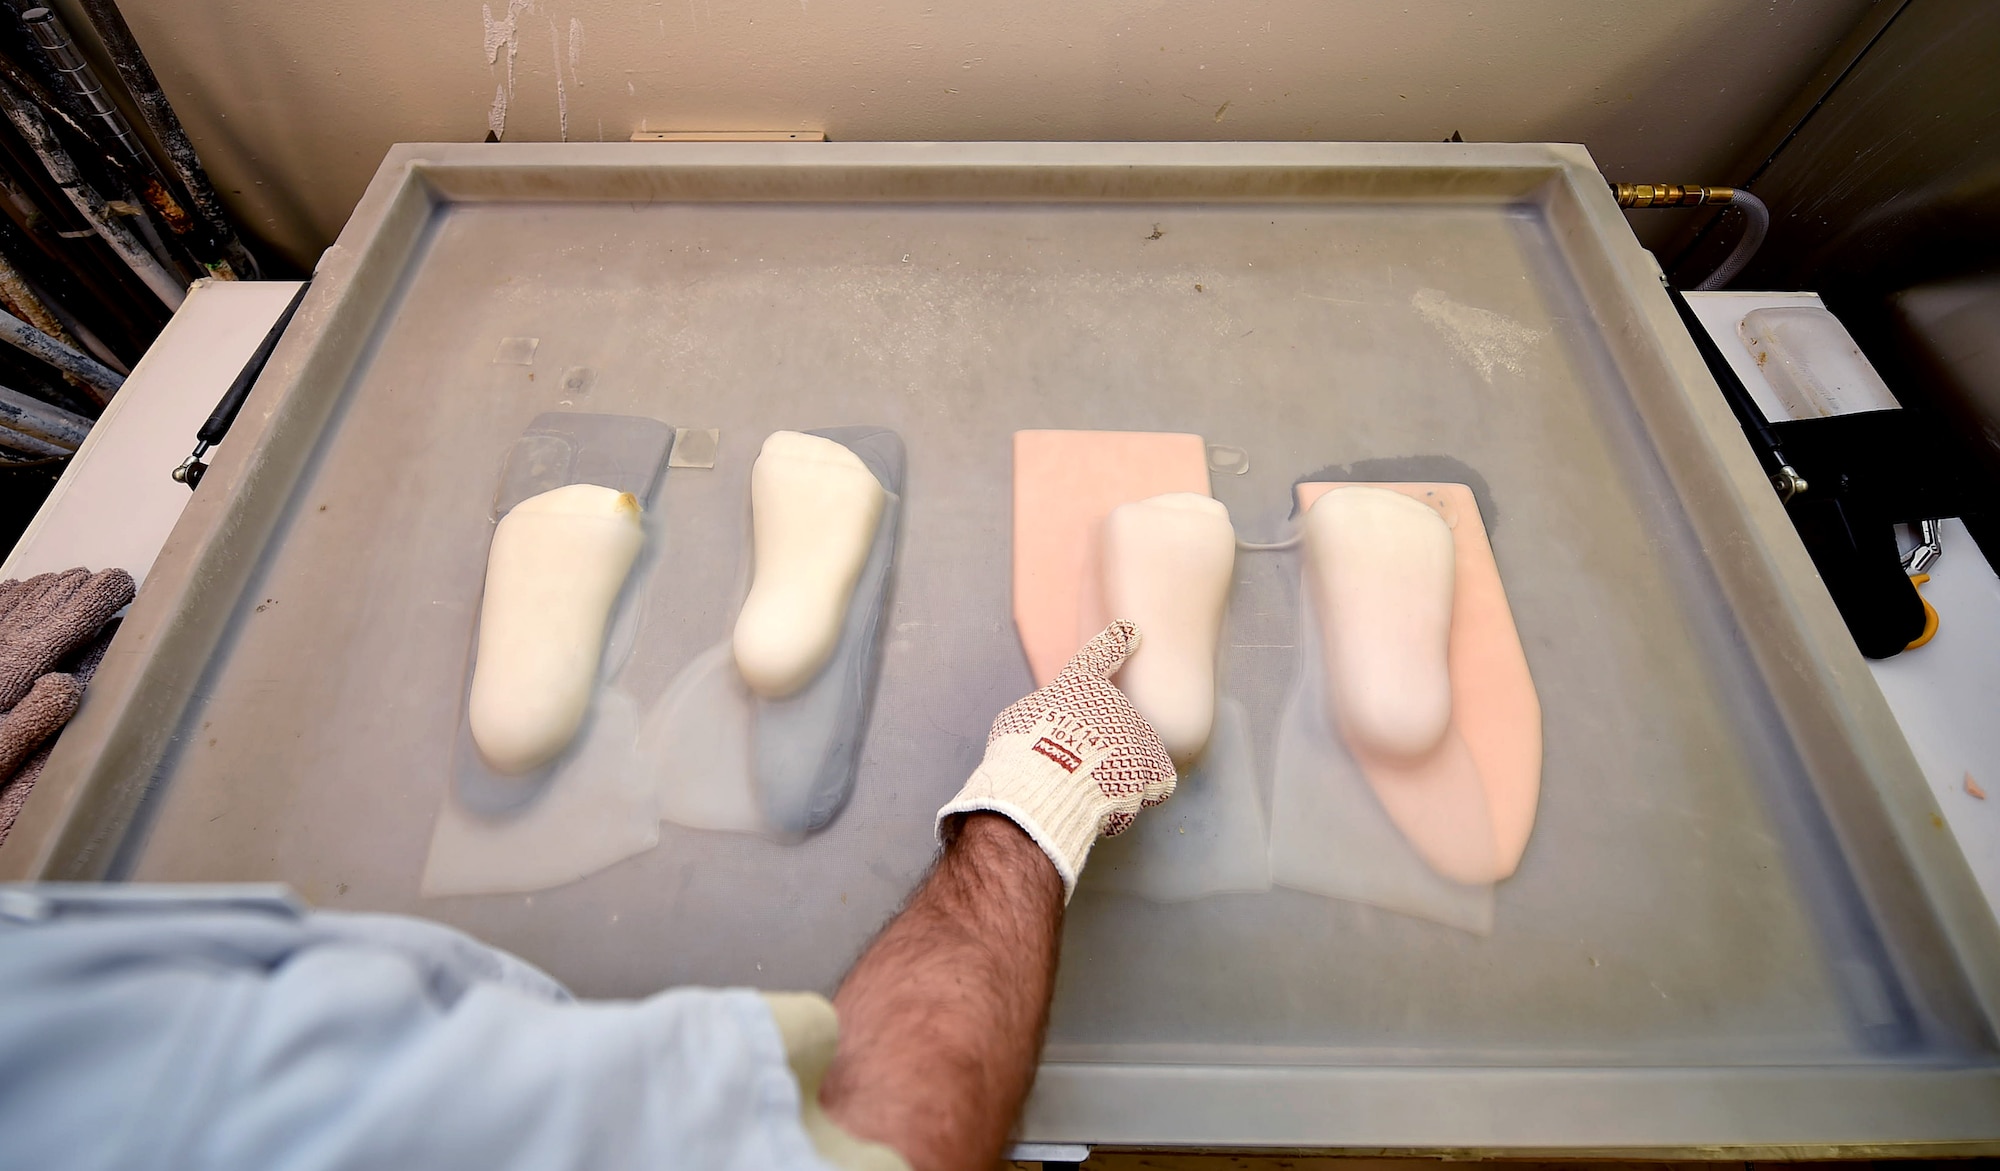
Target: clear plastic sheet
x=592, y=805
x=706, y=754
x=1208, y=840
x=806, y=746
x=1329, y=833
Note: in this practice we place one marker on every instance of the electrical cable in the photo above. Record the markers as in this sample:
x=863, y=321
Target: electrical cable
x=116, y=36
x=103, y=380
x=80, y=81
x=53, y=430
x=35, y=130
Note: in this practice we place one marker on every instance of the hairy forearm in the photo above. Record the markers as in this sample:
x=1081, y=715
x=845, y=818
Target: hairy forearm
x=941, y=1019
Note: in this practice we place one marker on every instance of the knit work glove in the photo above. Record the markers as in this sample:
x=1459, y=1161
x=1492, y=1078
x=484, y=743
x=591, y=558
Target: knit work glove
x=1073, y=760
x=46, y=618
x=52, y=636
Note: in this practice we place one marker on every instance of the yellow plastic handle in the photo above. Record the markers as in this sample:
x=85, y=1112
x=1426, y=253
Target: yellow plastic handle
x=1930, y=614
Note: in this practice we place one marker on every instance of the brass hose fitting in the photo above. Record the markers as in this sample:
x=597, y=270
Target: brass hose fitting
x=1670, y=194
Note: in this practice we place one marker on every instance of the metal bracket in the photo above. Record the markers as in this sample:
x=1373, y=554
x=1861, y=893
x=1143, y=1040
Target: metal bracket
x=1930, y=547
x=191, y=468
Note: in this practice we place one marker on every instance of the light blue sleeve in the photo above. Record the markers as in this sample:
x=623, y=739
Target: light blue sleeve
x=151, y=1029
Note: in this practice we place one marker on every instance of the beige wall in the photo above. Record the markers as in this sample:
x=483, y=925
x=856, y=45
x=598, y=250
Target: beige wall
x=292, y=103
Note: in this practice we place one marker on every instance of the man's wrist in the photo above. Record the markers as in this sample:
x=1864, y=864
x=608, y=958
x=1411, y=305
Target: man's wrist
x=1000, y=846
x=1061, y=811
x=981, y=824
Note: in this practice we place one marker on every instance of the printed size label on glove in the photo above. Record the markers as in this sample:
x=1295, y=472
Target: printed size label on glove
x=1068, y=761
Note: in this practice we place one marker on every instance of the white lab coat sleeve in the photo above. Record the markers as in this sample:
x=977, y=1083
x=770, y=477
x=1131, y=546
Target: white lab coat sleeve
x=228, y=1036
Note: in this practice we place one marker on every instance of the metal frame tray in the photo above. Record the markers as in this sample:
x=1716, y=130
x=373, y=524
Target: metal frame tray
x=1838, y=804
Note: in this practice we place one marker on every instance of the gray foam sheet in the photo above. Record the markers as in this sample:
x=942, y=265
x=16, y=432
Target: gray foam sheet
x=806, y=746
x=557, y=448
